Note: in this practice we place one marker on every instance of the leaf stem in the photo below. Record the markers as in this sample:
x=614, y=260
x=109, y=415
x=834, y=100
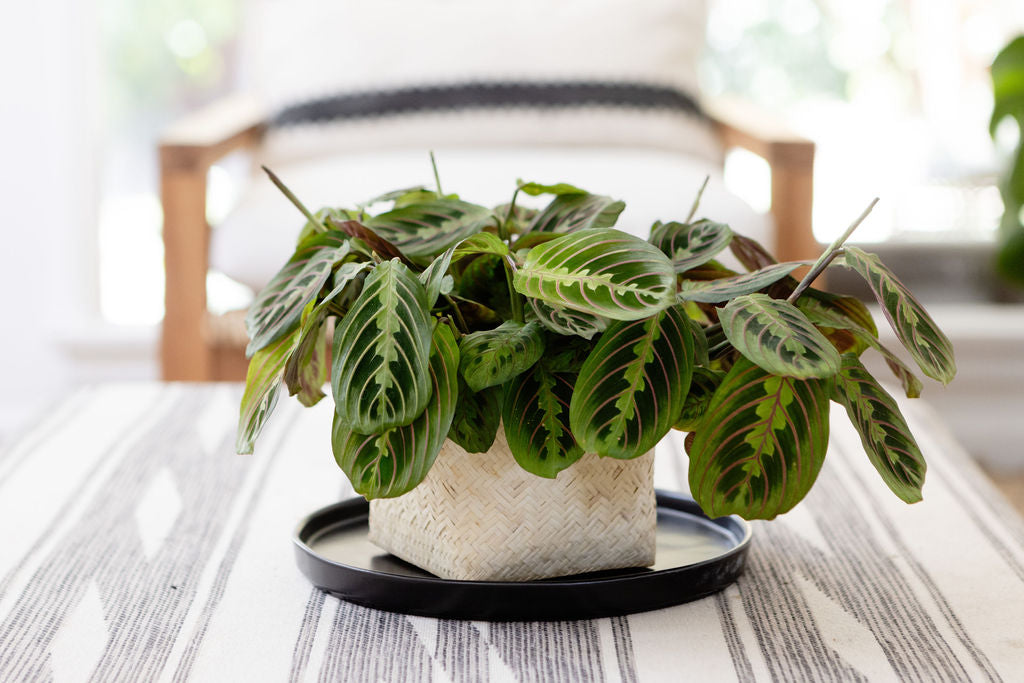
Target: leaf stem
x=458, y=314
x=437, y=176
x=829, y=254
x=696, y=200
x=513, y=295
x=293, y=199
x=503, y=232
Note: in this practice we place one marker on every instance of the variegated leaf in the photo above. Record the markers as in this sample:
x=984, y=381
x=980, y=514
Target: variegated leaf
x=703, y=385
x=532, y=239
x=600, y=271
x=381, y=347
x=311, y=228
x=425, y=229
x=493, y=357
x=778, y=337
x=572, y=212
x=690, y=244
x=394, y=461
x=850, y=318
x=262, y=386
x=278, y=307
x=477, y=418
x=929, y=347
x=377, y=244
x=761, y=443
x=633, y=385
x=750, y=253
x=308, y=367
x=883, y=430
x=726, y=288
x=535, y=413
x=567, y=322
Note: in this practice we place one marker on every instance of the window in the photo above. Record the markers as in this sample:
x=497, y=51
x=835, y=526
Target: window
x=895, y=93
x=160, y=60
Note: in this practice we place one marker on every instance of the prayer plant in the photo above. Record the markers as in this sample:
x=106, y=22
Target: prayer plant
x=436, y=318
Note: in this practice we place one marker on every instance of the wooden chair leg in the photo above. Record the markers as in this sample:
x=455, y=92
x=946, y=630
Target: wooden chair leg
x=184, y=353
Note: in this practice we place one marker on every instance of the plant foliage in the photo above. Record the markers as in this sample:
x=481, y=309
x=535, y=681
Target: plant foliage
x=435, y=318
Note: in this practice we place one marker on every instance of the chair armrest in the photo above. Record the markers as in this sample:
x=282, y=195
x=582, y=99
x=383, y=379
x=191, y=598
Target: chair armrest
x=187, y=149
x=791, y=158
x=207, y=134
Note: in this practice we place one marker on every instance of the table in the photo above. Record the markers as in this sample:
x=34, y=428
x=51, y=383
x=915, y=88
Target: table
x=135, y=545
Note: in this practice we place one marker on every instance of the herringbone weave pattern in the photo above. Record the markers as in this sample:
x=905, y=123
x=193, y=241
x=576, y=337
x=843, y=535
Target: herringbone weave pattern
x=481, y=517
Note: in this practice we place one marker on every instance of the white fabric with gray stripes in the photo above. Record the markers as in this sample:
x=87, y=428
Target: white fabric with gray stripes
x=134, y=545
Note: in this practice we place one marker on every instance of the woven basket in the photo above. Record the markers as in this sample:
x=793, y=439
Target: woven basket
x=481, y=517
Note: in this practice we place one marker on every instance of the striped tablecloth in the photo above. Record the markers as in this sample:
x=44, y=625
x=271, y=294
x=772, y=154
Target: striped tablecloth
x=134, y=545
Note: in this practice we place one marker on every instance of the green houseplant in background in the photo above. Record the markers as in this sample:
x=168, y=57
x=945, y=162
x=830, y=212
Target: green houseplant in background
x=1008, y=90
x=451, y=319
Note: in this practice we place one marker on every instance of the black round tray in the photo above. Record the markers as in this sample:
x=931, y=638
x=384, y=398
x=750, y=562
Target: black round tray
x=696, y=556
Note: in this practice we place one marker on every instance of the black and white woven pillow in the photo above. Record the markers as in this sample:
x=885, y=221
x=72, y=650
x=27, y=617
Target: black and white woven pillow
x=356, y=75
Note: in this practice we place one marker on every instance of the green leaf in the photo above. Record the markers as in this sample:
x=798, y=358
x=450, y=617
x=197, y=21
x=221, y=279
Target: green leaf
x=419, y=192
x=278, y=307
x=778, y=337
x=844, y=314
x=428, y=228
x=928, y=346
x=493, y=357
x=436, y=279
x=394, y=461
x=477, y=418
x=600, y=271
x=572, y=212
x=700, y=340
x=481, y=243
x=535, y=413
x=633, y=385
x=381, y=347
x=482, y=279
x=262, y=386
x=726, y=288
x=308, y=367
x=565, y=321
x=1008, y=83
x=565, y=354
x=761, y=444
x=883, y=430
x=702, y=388
x=535, y=189
x=691, y=244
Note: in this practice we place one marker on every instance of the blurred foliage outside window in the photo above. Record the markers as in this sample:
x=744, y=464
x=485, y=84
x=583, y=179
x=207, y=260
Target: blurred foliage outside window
x=895, y=92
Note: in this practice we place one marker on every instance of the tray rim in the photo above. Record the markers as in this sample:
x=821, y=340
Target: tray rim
x=740, y=529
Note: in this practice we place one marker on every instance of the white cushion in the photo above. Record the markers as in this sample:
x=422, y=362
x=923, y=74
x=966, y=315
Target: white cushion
x=298, y=49
x=297, y=52
x=258, y=237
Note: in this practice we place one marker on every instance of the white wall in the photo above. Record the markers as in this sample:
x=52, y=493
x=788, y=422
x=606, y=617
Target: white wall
x=49, y=137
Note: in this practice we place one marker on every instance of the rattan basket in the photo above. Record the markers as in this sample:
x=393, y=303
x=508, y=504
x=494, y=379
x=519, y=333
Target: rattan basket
x=481, y=517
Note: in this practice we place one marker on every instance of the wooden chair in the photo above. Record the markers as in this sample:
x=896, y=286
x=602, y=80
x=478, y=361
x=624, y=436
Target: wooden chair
x=199, y=346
